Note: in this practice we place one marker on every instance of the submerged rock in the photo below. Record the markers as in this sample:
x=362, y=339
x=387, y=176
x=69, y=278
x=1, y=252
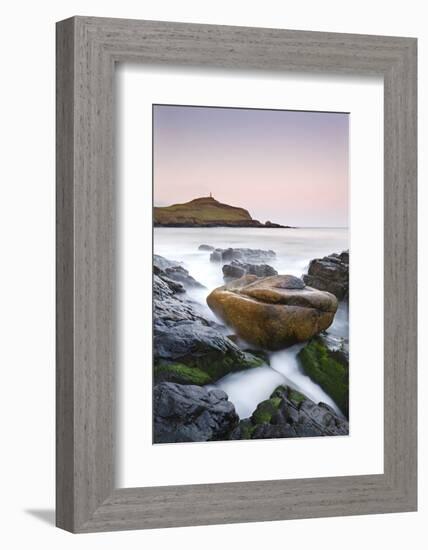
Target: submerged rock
x=330, y=273
x=191, y=413
x=288, y=413
x=328, y=367
x=237, y=269
x=273, y=312
x=250, y=255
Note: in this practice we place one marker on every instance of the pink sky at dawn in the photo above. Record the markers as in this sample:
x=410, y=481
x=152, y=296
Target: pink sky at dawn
x=289, y=167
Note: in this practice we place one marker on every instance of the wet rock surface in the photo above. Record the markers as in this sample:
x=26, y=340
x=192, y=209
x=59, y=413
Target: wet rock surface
x=327, y=364
x=237, y=269
x=250, y=255
x=190, y=413
x=192, y=351
x=331, y=274
x=288, y=413
x=188, y=347
x=166, y=269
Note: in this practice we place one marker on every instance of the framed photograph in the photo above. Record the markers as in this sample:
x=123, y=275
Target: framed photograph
x=236, y=274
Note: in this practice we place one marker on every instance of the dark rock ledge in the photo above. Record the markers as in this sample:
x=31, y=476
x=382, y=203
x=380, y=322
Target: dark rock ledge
x=237, y=269
x=173, y=271
x=250, y=255
x=288, y=413
x=187, y=347
x=327, y=364
x=191, y=413
x=330, y=274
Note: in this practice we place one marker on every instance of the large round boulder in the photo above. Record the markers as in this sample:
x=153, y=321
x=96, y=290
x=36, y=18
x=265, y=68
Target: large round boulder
x=273, y=312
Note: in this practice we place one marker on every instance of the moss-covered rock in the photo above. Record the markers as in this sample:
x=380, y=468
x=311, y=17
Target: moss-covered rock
x=265, y=410
x=245, y=429
x=206, y=369
x=293, y=395
x=187, y=347
x=218, y=365
x=296, y=397
x=328, y=369
x=261, y=354
x=288, y=413
x=200, y=346
x=180, y=374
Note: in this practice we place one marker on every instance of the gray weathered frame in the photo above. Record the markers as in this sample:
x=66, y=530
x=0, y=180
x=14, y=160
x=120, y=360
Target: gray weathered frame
x=87, y=50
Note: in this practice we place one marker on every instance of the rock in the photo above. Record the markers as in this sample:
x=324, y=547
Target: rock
x=288, y=413
x=191, y=413
x=217, y=255
x=200, y=347
x=206, y=247
x=344, y=257
x=249, y=255
x=180, y=374
x=336, y=344
x=328, y=367
x=276, y=225
x=234, y=270
x=237, y=269
x=187, y=347
x=330, y=273
x=171, y=306
x=164, y=268
x=273, y=312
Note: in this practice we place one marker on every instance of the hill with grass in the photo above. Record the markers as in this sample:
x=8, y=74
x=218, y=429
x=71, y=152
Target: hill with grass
x=205, y=212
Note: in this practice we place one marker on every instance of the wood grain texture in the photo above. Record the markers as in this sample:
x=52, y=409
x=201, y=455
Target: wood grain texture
x=64, y=276
x=87, y=49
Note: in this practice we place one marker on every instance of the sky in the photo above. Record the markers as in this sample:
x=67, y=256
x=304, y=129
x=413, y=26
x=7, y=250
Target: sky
x=289, y=167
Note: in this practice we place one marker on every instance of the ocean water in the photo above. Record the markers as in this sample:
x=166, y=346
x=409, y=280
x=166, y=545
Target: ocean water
x=294, y=249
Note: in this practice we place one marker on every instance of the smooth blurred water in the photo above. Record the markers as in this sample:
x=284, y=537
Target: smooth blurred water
x=294, y=249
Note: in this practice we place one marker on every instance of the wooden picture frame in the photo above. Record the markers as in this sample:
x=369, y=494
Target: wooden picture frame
x=87, y=50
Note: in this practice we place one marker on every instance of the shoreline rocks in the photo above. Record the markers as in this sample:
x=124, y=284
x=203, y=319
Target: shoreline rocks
x=329, y=368
x=187, y=347
x=273, y=312
x=237, y=269
x=174, y=271
x=191, y=413
x=288, y=413
x=199, y=347
x=249, y=255
x=330, y=274
x=270, y=312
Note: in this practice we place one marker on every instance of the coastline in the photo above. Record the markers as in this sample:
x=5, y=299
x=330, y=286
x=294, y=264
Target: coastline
x=252, y=383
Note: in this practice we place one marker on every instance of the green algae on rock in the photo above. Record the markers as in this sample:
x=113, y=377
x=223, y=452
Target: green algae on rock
x=329, y=369
x=288, y=413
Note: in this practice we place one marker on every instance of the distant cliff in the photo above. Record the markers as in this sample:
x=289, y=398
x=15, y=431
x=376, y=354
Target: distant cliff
x=205, y=212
